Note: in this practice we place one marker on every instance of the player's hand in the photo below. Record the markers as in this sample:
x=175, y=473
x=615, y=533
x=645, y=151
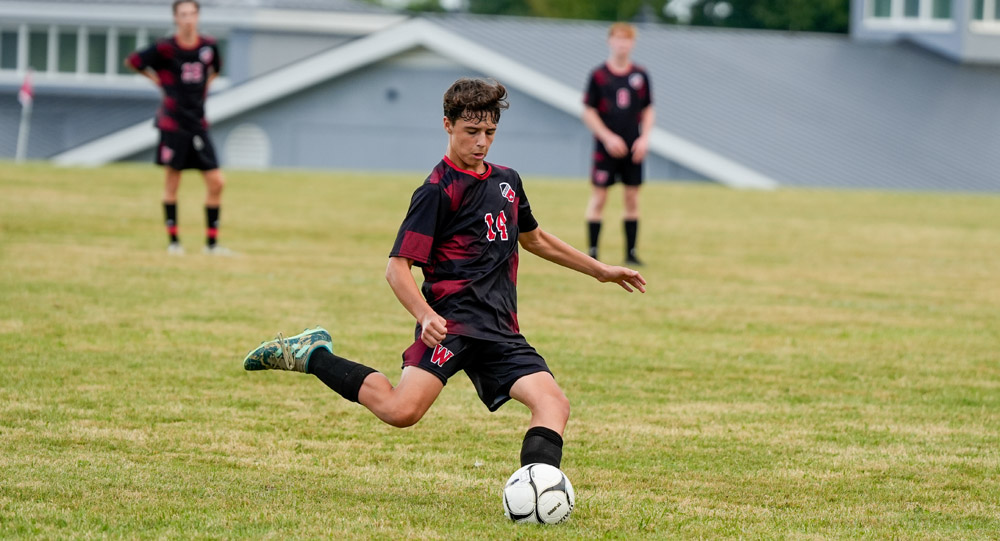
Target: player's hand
x=627, y=278
x=433, y=329
x=615, y=146
x=639, y=149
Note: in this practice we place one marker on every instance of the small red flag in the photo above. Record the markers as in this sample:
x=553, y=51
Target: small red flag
x=27, y=94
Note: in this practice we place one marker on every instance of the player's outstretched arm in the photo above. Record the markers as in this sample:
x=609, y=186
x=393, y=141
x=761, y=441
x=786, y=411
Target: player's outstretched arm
x=433, y=327
x=550, y=247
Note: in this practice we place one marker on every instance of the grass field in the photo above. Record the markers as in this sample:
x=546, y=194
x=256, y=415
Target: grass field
x=806, y=365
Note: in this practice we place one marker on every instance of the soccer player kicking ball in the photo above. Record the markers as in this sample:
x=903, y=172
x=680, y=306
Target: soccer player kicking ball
x=183, y=66
x=462, y=228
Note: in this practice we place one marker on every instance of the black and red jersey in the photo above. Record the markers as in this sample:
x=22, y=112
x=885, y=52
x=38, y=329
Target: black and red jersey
x=184, y=75
x=462, y=229
x=619, y=99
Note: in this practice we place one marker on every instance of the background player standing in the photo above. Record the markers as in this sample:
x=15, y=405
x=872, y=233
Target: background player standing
x=619, y=111
x=463, y=228
x=183, y=66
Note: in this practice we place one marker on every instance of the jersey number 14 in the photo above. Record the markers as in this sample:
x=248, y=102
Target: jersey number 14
x=500, y=225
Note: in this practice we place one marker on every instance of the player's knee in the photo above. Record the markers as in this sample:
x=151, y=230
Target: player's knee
x=404, y=416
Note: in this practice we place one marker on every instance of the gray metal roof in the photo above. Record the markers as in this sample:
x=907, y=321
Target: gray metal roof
x=347, y=6
x=805, y=109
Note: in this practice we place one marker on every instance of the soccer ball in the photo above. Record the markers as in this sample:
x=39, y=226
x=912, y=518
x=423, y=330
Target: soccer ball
x=538, y=494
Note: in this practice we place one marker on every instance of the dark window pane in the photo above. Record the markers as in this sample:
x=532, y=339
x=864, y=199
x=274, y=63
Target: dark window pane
x=67, y=52
x=8, y=50
x=38, y=50
x=881, y=8
x=942, y=9
x=126, y=44
x=97, y=50
x=911, y=8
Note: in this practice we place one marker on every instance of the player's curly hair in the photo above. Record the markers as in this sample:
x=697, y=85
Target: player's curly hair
x=475, y=100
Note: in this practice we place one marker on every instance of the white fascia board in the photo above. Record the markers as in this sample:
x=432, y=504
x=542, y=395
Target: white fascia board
x=350, y=24
x=570, y=100
x=72, y=14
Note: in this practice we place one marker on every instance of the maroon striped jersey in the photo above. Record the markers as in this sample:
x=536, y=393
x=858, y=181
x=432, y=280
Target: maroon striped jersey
x=461, y=229
x=619, y=99
x=184, y=75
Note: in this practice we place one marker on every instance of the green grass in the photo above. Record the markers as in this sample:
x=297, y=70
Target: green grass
x=806, y=365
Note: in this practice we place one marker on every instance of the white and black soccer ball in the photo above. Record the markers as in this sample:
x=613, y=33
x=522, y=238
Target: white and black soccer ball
x=538, y=494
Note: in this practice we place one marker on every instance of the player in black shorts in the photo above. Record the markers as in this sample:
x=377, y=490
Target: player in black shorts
x=183, y=66
x=619, y=111
x=463, y=229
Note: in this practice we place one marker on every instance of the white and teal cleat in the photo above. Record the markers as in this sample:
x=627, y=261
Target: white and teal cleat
x=288, y=353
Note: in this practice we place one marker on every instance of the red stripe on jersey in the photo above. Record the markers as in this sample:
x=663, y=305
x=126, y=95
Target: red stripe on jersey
x=134, y=60
x=457, y=247
x=489, y=169
x=170, y=104
x=165, y=49
x=436, y=175
x=514, y=325
x=447, y=287
x=167, y=123
x=166, y=78
x=513, y=269
x=416, y=246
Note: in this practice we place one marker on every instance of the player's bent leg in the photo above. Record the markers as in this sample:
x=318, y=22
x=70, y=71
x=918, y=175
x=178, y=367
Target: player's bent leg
x=405, y=404
x=541, y=394
x=549, y=413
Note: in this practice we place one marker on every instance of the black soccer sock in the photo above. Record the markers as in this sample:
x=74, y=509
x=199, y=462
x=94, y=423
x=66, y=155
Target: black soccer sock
x=541, y=445
x=170, y=220
x=593, y=233
x=631, y=232
x=211, y=225
x=343, y=376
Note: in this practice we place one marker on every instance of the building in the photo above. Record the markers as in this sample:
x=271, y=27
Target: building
x=904, y=102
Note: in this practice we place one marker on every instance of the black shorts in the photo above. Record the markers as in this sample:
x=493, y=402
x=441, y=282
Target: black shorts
x=493, y=367
x=608, y=170
x=186, y=150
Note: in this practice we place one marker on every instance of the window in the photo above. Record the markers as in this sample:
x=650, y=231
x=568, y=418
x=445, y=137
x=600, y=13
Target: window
x=38, y=50
x=986, y=10
x=67, y=52
x=97, y=52
x=8, y=50
x=937, y=10
x=126, y=44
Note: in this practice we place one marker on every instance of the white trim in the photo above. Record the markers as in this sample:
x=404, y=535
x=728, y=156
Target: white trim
x=985, y=27
x=82, y=57
x=22, y=49
x=346, y=23
x=910, y=25
x=111, y=52
x=393, y=41
x=52, y=54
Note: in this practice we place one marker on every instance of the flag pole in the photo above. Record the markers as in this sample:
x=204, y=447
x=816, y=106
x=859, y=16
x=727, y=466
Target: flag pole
x=26, y=96
x=22, y=134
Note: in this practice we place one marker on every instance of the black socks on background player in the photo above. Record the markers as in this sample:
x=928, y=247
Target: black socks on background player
x=541, y=445
x=211, y=225
x=631, y=232
x=593, y=233
x=170, y=220
x=343, y=376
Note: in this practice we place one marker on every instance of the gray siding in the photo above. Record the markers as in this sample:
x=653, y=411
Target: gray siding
x=59, y=122
x=388, y=117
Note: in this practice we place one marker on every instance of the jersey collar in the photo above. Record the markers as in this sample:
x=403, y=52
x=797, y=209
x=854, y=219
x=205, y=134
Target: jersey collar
x=489, y=169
